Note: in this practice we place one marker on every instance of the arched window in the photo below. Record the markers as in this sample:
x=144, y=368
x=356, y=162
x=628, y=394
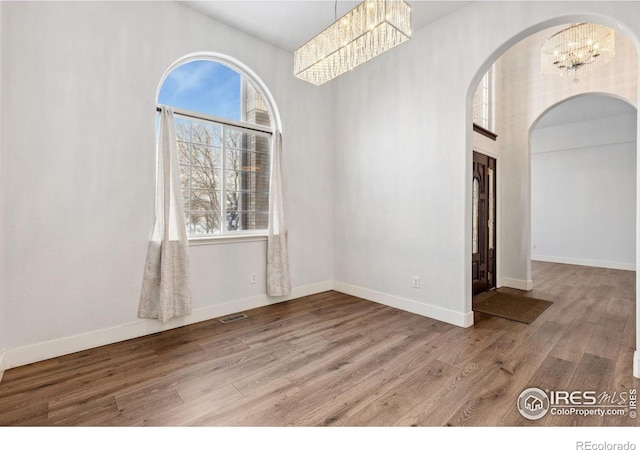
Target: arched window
x=224, y=127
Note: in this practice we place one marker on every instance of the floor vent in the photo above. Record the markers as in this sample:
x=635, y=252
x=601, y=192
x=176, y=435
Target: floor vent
x=233, y=318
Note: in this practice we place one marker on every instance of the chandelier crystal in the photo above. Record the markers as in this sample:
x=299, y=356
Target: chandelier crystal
x=369, y=29
x=581, y=47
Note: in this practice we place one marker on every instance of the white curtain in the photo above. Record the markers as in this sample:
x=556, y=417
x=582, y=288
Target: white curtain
x=165, y=289
x=278, y=276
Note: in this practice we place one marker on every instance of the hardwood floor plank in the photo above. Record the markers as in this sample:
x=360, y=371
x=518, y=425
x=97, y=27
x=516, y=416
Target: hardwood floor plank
x=491, y=394
x=420, y=387
x=606, y=338
x=334, y=359
x=28, y=412
x=591, y=310
x=91, y=413
x=53, y=370
x=194, y=407
x=145, y=402
x=453, y=391
x=574, y=341
x=348, y=399
x=617, y=309
x=327, y=390
x=469, y=346
x=262, y=408
x=570, y=305
x=534, y=349
x=389, y=365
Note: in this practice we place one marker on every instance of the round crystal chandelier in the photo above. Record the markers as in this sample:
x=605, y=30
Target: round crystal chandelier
x=581, y=47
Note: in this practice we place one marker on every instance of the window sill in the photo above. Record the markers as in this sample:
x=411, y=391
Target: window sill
x=229, y=239
x=483, y=131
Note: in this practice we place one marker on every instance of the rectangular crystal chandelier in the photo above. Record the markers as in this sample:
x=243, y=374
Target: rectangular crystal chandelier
x=369, y=29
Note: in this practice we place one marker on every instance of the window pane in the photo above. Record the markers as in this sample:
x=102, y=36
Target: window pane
x=211, y=88
x=482, y=102
x=256, y=110
x=234, y=139
x=185, y=184
x=205, y=133
x=184, y=155
x=205, y=223
x=205, y=200
x=200, y=167
x=204, y=86
x=183, y=129
x=246, y=221
x=247, y=180
x=204, y=156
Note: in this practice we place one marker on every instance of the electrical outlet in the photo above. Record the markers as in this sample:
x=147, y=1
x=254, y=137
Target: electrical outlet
x=534, y=246
x=416, y=282
x=254, y=278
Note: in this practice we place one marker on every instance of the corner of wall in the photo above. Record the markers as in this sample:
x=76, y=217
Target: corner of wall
x=585, y=262
x=523, y=285
x=457, y=318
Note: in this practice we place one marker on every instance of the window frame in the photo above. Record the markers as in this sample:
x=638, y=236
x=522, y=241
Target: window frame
x=225, y=124
x=484, y=97
x=249, y=76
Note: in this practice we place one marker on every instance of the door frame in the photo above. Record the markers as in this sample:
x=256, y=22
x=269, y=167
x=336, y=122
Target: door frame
x=491, y=154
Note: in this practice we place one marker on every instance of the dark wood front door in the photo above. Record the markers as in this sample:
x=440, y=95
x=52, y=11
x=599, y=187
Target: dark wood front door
x=483, y=229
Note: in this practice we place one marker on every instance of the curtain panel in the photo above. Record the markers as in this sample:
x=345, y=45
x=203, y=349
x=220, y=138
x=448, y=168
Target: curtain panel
x=166, y=291
x=278, y=276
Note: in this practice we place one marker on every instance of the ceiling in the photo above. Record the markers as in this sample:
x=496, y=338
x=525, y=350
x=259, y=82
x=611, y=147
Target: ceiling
x=584, y=108
x=289, y=24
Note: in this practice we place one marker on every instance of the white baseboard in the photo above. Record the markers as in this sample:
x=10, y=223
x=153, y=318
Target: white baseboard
x=142, y=327
x=434, y=312
x=636, y=364
x=523, y=285
x=585, y=262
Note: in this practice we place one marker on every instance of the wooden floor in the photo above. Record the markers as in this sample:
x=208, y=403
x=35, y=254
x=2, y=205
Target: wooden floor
x=332, y=359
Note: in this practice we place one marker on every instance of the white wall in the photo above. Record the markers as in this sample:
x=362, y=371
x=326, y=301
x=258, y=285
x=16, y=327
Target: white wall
x=583, y=192
x=403, y=152
x=78, y=176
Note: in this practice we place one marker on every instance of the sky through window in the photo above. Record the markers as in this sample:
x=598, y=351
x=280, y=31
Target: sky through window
x=203, y=86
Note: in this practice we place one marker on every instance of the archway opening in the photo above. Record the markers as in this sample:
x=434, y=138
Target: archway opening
x=522, y=96
x=583, y=183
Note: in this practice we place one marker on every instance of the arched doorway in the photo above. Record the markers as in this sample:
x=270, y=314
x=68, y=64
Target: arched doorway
x=523, y=95
x=583, y=183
